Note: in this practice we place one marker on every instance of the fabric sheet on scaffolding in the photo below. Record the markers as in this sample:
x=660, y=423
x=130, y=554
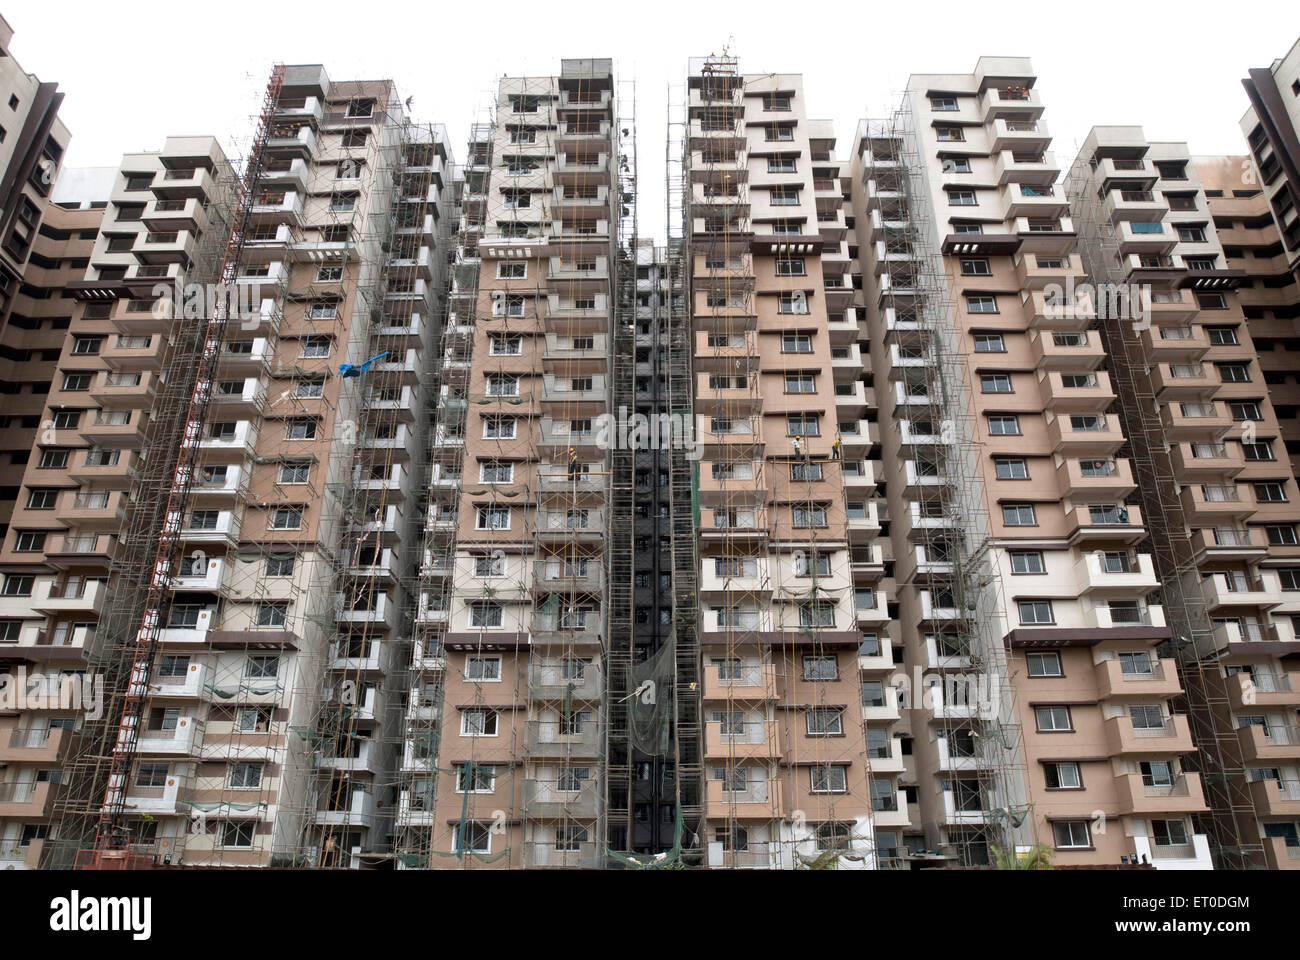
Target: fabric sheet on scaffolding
x=650, y=708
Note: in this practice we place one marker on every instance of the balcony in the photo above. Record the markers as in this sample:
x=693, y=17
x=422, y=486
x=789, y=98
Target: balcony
x=575, y=526
x=1177, y=382
x=1247, y=692
x=275, y=207
x=375, y=612
x=1014, y=166
x=28, y=801
x=285, y=174
x=65, y=551
x=1239, y=590
x=175, y=246
x=1170, y=344
x=181, y=740
x=1140, y=798
x=237, y=398
x=572, y=628
x=1104, y=617
x=183, y=183
x=1045, y=235
x=757, y=801
x=98, y=511
x=1274, y=799
x=1037, y=272
x=1229, y=542
x=1022, y=136
x=1129, y=173
x=1093, y=397
x=543, y=800
x=1100, y=572
x=559, y=576
x=83, y=597
x=175, y=215
x=748, y=682
x=41, y=745
x=190, y=630
x=1216, y=504
x=548, y=739
x=756, y=739
x=1010, y=103
x=1141, y=205
x=123, y=391
x=217, y=486
x=547, y=681
x=1074, y=352
x=1197, y=420
x=243, y=361
x=1272, y=743
x=1110, y=480
x=369, y=656
x=1161, y=680
x=1281, y=855
x=199, y=575
x=1092, y=435
x=1034, y=200
x=1172, y=736
x=222, y=529
x=359, y=812
x=231, y=445
x=1204, y=461
x=1145, y=238
x=1055, y=312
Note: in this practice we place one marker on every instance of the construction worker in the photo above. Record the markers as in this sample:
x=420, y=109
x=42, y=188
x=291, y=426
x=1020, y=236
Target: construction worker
x=573, y=462
x=835, y=449
x=797, y=443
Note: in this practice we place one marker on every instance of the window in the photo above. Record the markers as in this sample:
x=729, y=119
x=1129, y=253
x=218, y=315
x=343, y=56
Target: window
x=1004, y=425
x=295, y=472
x=493, y=565
x=1169, y=833
x=990, y=343
x=1147, y=716
x=809, y=515
x=478, y=723
x=943, y=104
x=949, y=134
x=272, y=613
x=806, y=472
x=237, y=833
x=1044, y=664
x=486, y=615
x=824, y=722
x=309, y=389
x=1033, y=612
x=286, y=518
x=808, y=564
x=492, y=518
x=1234, y=372
x=1137, y=664
x=1018, y=515
x=472, y=778
x=781, y=165
x=245, y=775
x=472, y=838
x=512, y=269
x=1282, y=535
x=151, y=775
x=498, y=428
x=300, y=430
x=279, y=566
x=1062, y=776
x=1222, y=336
x=315, y=347
x=496, y=471
x=483, y=668
x=41, y=498
x=29, y=541
x=961, y=198
x=1027, y=561
x=52, y=459
x=67, y=419
x=829, y=778
x=18, y=586
x=329, y=274
x=1270, y=492
x=793, y=267
x=1071, y=834
x=1052, y=719
x=76, y=382
x=1011, y=468
x=1261, y=451
x=784, y=197
x=796, y=343
x=818, y=613
x=820, y=667
x=802, y=425
x=995, y=383
x=981, y=303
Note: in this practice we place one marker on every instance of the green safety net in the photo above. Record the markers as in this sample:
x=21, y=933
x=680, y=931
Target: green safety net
x=650, y=701
x=670, y=859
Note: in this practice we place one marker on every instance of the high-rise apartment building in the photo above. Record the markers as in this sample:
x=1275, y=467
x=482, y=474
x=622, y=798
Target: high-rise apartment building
x=269, y=727
x=786, y=573
x=916, y=507
x=1216, y=487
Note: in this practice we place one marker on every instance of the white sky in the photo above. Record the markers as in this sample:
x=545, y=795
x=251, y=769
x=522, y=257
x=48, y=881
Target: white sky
x=135, y=73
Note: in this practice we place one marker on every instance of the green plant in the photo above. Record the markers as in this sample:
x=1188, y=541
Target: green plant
x=1037, y=857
